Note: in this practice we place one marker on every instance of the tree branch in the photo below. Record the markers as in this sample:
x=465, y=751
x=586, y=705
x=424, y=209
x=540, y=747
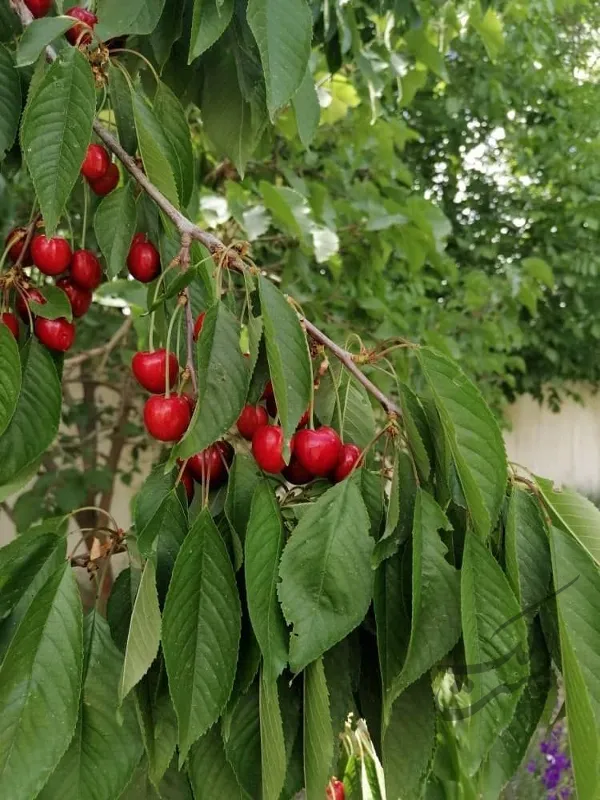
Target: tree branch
x=105, y=349
x=187, y=230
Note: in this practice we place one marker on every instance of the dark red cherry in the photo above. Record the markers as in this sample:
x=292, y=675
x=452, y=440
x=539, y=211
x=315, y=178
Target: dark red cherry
x=335, y=790
x=304, y=419
x=96, y=162
x=24, y=299
x=55, y=334
x=75, y=32
x=166, y=418
x=295, y=473
x=268, y=392
x=51, y=256
x=86, y=270
x=349, y=455
x=210, y=465
x=80, y=299
x=39, y=8
x=198, y=325
x=271, y=406
x=318, y=451
x=109, y=181
x=150, y=370
x=267, y=448
x=187, y=480
x=16, y=239
x=11, y=322
x=143, y=260
x=250, y=420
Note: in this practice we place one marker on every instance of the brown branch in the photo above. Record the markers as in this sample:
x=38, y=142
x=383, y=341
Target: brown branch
x=186, y=228
x=118, y=442
x=105, y=349
x=8, y=511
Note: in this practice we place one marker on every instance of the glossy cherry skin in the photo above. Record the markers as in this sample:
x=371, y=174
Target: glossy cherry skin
x=318, y=451
x=335, y=790
x=75, y=32
x=55, y=334
x=304, y=419
x=150, y=370
x=80, y=299
x=108, y=182
x=188, y=484
x=86, y=270
x=17, y=237
x=198, y=325
x=11, y=322
x=295, y=473
x=349, y=455
x=143, y=260
x=51, y=256
x=166, y=418
x=250, y=420
x=267, y=448
x=23, y=302
x=268, y=392
x=39, y=8
x=210, y=464
x=96, y=162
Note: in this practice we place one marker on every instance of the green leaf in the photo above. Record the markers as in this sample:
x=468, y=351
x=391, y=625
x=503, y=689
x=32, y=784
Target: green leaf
x=201, y=631
x=134, y=16
x=473, y=437
x=577, y=587
x=409, y=740
x=10, y=101
x=174, y=785
x=540, y=270
x=435, y=626
x=399, y=523
x=10, y=376
x=575, y=514
x=122, y=106
x=34, y=424
x=114, y=226
x=39, y=34
x=264, y=545
x=495, y=642
x=283, y=32
x=155, y=148
x=56, y=131
x=120, y=604
x=158, y=723
x=318, y=733
x=490, y=29
x=241, y=735
x=106, y=746
x=426, y=52
x=46, y=651
x=326, y=578
x=223, y=378
x=307, y=109
x=210, y=773
x=209, y=23
x=172, y=117
x=287, y=352
x=144, y=633
x=358, y=422
x=57, y=304
x=273, y=756
x=155, y=490
x=20, y=561
x=417, y=431
x=372, y=487
x=527, y=551
x=244, y=477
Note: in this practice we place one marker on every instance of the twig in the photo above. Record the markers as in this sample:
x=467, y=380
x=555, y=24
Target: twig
x=104, y=350
x=186, y=228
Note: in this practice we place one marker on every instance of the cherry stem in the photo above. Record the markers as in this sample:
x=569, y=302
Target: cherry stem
x=179, y=346
x=168, y=345
x=139, y=55
x=151, y=331
x=338, y=404
x=98, y=510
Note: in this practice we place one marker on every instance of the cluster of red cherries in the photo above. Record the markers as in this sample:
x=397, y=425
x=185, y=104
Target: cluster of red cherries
x=76, y=34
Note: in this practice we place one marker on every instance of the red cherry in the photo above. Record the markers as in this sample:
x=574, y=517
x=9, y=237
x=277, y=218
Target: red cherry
x=51, y=256
x=335, y=790
x=188, y=483
x=318, y=451
x=295, y=473
x=143, y=260
x=150, y=370
x=139, y=237
x=80, y=299
x=210, y=464
x=304, y=419
x=55, y=334
x=16, y=239
x=268, y=392
x=39, y=8
x=96, y=162
x=271, y=406
x=191, y=401
x=349, y=455
x=198, y=325
x=108, y=182
x=75, y=32
x=24, y=299
x=86, y=270
x=250, y=420
x=166, y=418
x=11, y=322
x=267, y=448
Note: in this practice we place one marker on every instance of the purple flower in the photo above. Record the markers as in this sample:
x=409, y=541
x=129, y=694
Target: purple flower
x=551, y=777
x=566, y=792
x=532, y=767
